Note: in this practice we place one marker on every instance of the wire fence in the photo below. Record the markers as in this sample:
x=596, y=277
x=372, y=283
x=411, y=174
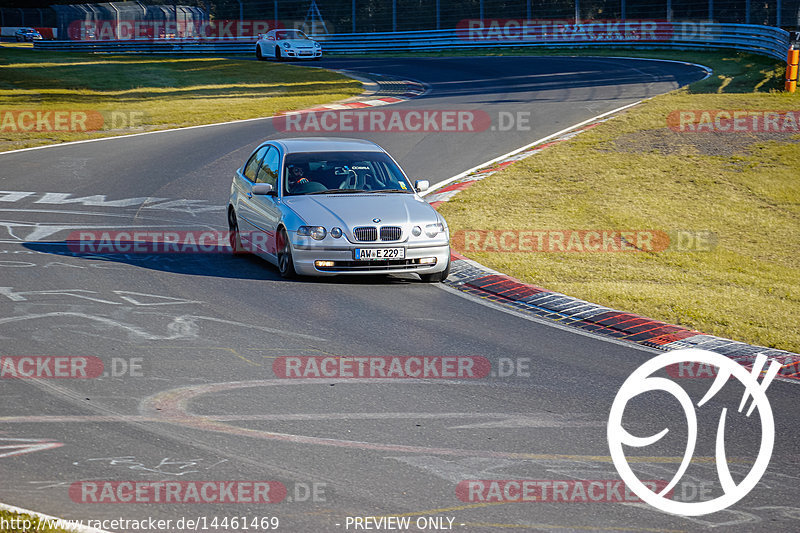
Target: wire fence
x=368, y=16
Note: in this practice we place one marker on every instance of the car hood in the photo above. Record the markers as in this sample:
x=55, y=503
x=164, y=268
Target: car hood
x=351, y=210
x=298, y=43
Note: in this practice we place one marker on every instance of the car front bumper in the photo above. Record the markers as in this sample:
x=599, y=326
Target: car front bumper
x=306, y=255
x=302, y=54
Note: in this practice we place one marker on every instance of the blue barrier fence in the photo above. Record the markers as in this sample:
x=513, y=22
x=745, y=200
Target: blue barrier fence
x=764, y=40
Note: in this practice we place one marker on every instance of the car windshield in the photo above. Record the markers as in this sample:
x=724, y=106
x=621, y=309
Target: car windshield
x=290, y=34
x=342, y=172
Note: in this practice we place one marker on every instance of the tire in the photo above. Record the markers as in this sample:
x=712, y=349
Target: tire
x=278, y=55
x=234, y=238
x=436, y=277
x=284, y=249
x=259, y=55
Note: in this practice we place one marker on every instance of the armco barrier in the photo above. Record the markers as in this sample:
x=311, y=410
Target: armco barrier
x=764, y=40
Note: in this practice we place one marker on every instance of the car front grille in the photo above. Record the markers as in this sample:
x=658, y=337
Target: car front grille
x=376, y=266
x=391, y=233
x=366, y=233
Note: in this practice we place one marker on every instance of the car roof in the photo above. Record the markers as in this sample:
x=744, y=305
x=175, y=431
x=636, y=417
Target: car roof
x=326, y=144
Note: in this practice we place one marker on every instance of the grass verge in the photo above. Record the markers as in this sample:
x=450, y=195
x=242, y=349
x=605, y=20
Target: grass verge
x=633, y=172
x=20, y=520
x=141, y=93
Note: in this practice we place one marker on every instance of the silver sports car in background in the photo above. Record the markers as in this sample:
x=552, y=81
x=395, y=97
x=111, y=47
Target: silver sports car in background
x=287, y=44
x=317, y=206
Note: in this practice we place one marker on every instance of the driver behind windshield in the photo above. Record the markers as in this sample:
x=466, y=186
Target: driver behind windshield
x=297, y=176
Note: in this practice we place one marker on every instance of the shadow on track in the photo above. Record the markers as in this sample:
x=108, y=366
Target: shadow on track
x=220, y=263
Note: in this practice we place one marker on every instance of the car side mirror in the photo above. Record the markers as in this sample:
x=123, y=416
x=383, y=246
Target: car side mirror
x=262, y=189
x=421, y=185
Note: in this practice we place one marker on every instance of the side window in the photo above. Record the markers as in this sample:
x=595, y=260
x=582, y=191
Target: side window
x=251, y=167
x=268, y=173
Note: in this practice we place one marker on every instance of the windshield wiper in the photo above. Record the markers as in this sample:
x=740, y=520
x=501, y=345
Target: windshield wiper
x=329, y=191
x=390, y=190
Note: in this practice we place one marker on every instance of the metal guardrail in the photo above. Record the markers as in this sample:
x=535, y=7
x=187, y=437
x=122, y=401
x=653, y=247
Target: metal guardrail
x=764, y=40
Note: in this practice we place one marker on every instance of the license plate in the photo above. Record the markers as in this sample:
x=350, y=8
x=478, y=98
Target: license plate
x=379, y=254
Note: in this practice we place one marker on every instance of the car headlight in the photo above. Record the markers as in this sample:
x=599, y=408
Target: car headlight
x=416, y=231
x=315, y=232
x=287, y=45
x=432, y=230
x=317, y=45
x=336, y=232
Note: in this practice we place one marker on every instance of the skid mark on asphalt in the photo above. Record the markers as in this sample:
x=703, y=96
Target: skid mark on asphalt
x=180, y=327
x=172, y=407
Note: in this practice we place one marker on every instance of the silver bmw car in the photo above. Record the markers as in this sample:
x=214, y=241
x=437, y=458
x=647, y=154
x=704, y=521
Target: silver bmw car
x=319, y=207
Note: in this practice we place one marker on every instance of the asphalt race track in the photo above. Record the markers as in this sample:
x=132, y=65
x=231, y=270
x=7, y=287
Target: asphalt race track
x=188, y=343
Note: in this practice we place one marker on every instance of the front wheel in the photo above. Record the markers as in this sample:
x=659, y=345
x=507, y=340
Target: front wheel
x=285, y=263
x=259, y=55
x=436, y=277
x=278, y=55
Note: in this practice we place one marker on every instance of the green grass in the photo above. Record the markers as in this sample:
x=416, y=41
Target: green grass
x=19, y=519
x=632, y=172
x=160, y=92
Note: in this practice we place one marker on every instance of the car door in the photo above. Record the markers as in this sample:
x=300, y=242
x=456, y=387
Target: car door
x=243, y=183
x=271, y=37
x=266, y=207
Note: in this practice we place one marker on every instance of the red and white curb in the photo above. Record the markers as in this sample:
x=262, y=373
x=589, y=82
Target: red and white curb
x=477, y=280
x=413, y=89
